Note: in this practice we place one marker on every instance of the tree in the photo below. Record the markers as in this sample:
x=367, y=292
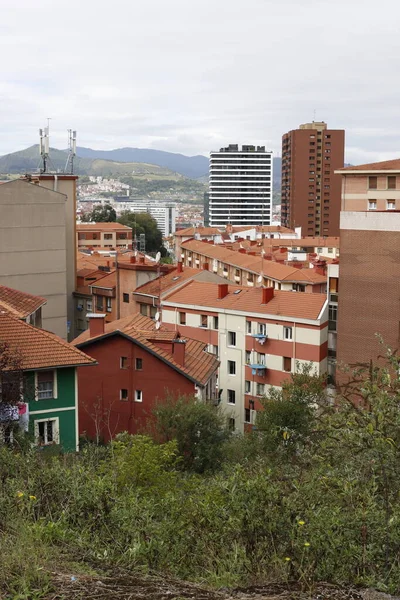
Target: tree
x=289, y=414
x=199, y=429
x=11, y=388
x=101, y=214
x=144, y=223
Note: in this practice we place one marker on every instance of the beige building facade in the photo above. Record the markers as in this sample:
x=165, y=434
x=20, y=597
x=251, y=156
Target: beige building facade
x=34, y=247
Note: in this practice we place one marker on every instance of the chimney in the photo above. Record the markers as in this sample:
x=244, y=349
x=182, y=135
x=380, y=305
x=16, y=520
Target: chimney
x=320, y=267
x=242, y=250
x=96, y=323
x=222, y=290
x=178, y=351
x=267, y=294
x=133, y=260
x=141, y=260
x=229, y=228
x=205, y=266
x=179, y=268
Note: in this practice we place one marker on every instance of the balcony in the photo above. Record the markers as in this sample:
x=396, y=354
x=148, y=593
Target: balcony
x=258, y=369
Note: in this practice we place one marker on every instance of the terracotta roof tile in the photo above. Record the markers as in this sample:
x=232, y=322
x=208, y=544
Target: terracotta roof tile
x=109, y=281
x=167, y=281
x=249, y=300
x=386, y=165
x=199, y=365
x=19, y=304
x=81, y=227
x=190, y=231
x=39, y=349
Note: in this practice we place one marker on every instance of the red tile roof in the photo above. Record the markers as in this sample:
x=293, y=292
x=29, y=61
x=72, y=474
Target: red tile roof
x=19, y=304
x=386, y=165
x=253, y=264
x=39, y=349
x=190, y=231
x=199, y=365
x=166, y=282
x=108, y=282
x=249, y=300
x=82, y=227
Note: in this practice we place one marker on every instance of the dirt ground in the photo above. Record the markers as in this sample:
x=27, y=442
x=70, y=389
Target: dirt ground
x=130, y=587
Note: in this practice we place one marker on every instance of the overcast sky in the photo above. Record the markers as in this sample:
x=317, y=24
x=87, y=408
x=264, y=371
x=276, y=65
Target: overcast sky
x=192, y=75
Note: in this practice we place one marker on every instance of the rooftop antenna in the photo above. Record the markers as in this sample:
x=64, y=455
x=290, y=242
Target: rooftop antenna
x=69, y=165
x=315, y=112
x=44, y=146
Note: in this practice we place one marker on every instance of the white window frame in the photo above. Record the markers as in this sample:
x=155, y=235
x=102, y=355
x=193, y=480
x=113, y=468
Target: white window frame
x=138, y=396
x=108, y=304
x=262, y=328
x=288, y=333
x=371, y=204
x=259, y=385
x=261, y=358
x=392, y=205
x=248, y=327
x=247, y=386
x=56, y=430
x=248, y=357
x=233, y=362
x=55, y=386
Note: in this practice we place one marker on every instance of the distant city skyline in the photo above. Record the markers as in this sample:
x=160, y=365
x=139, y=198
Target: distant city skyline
x=193, y=77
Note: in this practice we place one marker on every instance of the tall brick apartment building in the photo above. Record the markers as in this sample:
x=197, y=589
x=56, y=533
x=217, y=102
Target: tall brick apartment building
x=369, y=282
x=310, y=189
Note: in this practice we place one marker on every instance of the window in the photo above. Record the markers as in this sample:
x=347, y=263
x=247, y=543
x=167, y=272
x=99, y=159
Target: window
x=260, y=358
x=332, y=317
x=391, y=182
x=391, y=205
x=248, y=327
x=143, y=309
x=372, y=183
x=231, y=367
x=45, y=385
x=89, y=306
x=215, y=350
x=231, y=338
x=125, y=297
x=319, y=250
x=153, y=311
x=182, y=318
x=247, y=415
x=371, y=204
x=203, y=320
x=330, y=250
x=123, y=394
x=260, y=389
x=262, y=329
x=287, y=364
x=108, y=304
x=215, y=322
x=231, y=397
x=138, y=396
x=231, y=424
x=123, y=362
x=139, y=364
x=99, y=303
x=46, y=431
x=287, y=333
x=247, y=387
x=248, y=357
x=108, y=236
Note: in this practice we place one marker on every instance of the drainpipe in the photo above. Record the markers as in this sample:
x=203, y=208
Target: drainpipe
x=294, y=347
x=55, y=186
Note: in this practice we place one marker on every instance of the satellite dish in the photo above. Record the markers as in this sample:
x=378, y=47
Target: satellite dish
x=158, y=325
x=259, y=279
x=135, y=253
x=158, y=257
x=157, y=316
x=262, y=252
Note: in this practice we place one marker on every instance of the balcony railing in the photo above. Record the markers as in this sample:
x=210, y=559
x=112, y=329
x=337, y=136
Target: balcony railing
x=258, y=369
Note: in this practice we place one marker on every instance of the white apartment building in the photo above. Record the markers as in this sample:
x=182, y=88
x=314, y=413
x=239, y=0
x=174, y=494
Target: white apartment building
x=240, y=186
x=260, y=336
x=163, y=212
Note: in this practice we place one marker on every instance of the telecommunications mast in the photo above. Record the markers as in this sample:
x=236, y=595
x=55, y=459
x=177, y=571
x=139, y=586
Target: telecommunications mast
x=69, y=165
x=44, y=146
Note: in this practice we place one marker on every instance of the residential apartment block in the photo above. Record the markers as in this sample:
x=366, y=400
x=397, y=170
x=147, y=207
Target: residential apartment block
x=240, y=186
x=260, y=336
x=374, y=186
x=137, y=365
x=103, y=235
x=164, y=213
x=310, y=188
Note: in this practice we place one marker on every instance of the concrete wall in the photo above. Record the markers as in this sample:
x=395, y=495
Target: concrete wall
x=33, y=247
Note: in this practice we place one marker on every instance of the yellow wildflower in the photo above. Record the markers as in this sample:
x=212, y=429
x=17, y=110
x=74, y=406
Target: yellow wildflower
x=287, y=558
x=32, y=497
x=20, y=494
x=306, y=544
x=301, y=522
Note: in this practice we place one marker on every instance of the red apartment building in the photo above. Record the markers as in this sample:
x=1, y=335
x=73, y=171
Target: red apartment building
x=103, y=235
x=137, y=365
x=310, y=189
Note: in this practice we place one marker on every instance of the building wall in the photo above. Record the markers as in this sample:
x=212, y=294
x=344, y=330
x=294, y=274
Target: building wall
x=33, y=247
x=357, y=195
x=311, y=192
x=63, y=408
x=369, y=286
x=100, y=407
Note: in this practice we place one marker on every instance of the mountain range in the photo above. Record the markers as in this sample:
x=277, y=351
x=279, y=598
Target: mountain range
x=121, y=161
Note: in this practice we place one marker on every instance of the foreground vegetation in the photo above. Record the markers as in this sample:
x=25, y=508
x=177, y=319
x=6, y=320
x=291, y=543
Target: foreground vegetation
x=310, y=495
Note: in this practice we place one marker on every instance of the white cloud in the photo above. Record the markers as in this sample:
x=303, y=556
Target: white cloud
x=191, y=76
